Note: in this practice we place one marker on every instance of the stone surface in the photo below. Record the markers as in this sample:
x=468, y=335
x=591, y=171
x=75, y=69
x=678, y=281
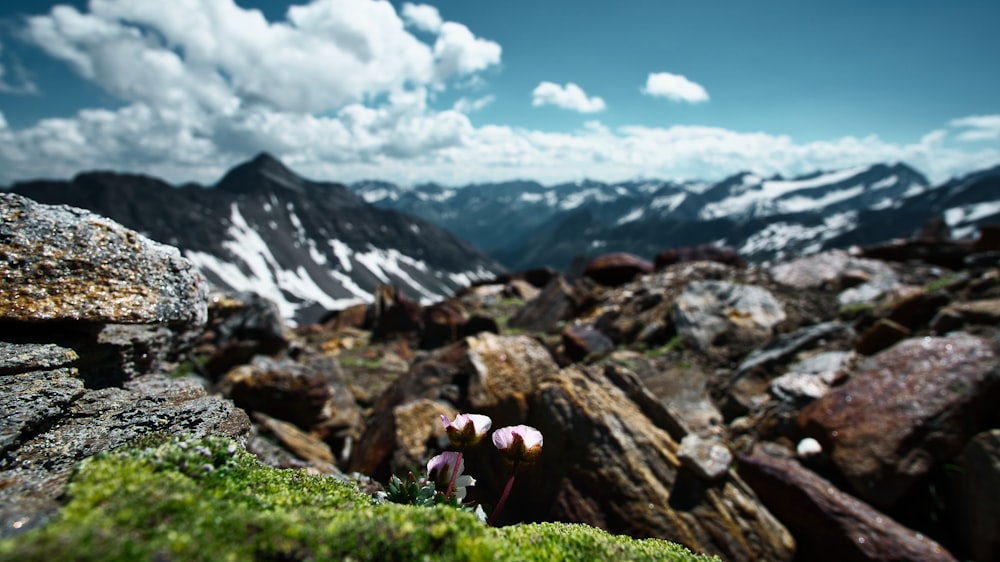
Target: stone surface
x=811, y=378
x=604, y=463
x=906, y=409
x=23, y=357
x=975, y=495
x=828, y=524
x=881, y=335
x=73, y=424
x=281, y=388
x=583, y=342
x=836, y=269
x=708, y=457
x=614, y=270
x=703, y=252
x=557, y=302
x=708, y=310
x=62, y=263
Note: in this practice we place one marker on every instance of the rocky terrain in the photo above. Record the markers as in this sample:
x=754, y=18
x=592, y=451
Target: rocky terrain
x=839, y=406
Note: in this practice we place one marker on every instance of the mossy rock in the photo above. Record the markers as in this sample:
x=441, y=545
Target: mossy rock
x=208, y=499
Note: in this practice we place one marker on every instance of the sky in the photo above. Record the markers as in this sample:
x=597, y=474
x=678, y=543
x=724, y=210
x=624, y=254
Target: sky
x=473, y=91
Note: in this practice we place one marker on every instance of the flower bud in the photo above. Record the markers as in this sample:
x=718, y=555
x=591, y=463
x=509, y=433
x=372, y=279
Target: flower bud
x=467, y=430
x=518, y=444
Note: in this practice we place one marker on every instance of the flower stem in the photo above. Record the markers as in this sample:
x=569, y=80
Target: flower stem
x=454, y=474
x=503, y=497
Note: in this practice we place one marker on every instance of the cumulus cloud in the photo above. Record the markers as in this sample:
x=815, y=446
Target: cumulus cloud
x=215, y=54
x=422, y=16
x=674, y=87
x=978, y=127
x=569, y=96
x=204, y=84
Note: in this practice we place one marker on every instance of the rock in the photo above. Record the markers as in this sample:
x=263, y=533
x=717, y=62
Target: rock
x=306, y=447
x=703, y=252
x=615, y=270
x=881, y=335
x=975, y=495
x=811, y=378
x=908, y=408
x=915, y=307
x=280, y=388
x=73, y=424
x=673, y=397
x=583, y=342
x=443, y=323
x=33, y=400
x=709, y=458
x=708, y=310
x=958, y=315
x=25, y=357
x=486, y=374
x=556, y=303
x=828, y=524
x=945, y=253
x=839, y=270
x=62, y=263
x=605, y=464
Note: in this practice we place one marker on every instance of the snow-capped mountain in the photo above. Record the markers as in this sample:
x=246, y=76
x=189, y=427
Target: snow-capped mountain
x=308, y=246
x=524, y=224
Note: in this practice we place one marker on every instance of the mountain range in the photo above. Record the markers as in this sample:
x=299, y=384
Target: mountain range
x=525, y=224
x=315, y=246
x=308, y=246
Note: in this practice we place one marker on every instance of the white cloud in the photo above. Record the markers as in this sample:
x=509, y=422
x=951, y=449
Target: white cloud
x=979, y=127
x=205, y=84
x=16, y=81
x=674, y=87
x=466, y=105
x=569, y=96
x=422, y=16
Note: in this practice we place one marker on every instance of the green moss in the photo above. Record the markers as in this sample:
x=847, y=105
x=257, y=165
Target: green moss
x=176, y=499
x=851, y=311
x=674, y=344
x=939, y=284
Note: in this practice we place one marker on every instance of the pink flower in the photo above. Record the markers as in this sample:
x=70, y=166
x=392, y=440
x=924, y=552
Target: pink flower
x=467, y=430
x=439, y=470
x=519, y=444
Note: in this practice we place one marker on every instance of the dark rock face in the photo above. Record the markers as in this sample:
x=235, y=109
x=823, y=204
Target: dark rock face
x=975, y=493
x=828, y=524
x=907, y=408
x=80, y=360
x=61, y=263
x=702, y=252
x=557, y=302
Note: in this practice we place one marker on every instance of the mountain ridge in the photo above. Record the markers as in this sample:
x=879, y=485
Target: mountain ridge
x=308, y=246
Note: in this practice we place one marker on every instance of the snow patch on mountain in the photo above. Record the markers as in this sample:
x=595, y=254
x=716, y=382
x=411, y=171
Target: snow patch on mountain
x=760, y=194
x=783, y=237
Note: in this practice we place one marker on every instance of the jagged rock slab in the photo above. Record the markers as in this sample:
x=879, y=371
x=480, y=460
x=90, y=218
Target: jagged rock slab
x=829, y=524
x=62, y=263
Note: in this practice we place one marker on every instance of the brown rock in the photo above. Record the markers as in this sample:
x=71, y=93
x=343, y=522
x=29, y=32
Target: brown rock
x=557, y=302
x=282, y=388
x=302, y=444
x=916, y=307
x=909, y=407
x=605, y=463
x=614, y=270
x=582, y=342
x=828, y=524
x=955, y=316
x=443, y=323
x=975, y=495
x=881, y=335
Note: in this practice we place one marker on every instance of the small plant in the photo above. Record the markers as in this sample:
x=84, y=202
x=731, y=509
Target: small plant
x=519, y=445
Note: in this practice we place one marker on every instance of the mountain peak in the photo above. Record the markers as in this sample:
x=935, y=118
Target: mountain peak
x=263, y=173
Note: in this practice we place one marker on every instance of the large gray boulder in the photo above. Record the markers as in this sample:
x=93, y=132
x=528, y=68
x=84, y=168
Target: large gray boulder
x=63, y=263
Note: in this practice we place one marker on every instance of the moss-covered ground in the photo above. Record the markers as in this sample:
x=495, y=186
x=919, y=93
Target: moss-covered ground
x=207, y=499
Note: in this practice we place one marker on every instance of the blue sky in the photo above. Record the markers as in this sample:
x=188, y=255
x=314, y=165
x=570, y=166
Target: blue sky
x=460, y=91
